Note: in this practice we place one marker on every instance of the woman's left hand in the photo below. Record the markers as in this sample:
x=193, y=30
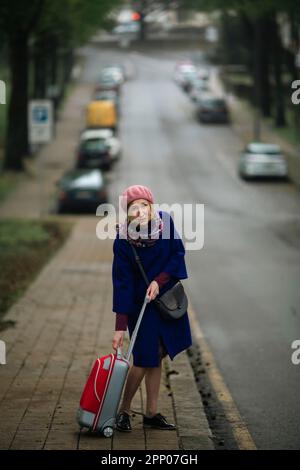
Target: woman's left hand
x=153, y=290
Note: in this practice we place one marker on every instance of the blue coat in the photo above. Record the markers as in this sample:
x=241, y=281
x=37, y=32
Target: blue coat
x=129, y=289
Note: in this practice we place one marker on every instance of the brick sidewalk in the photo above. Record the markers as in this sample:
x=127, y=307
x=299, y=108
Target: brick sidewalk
x=63, y=322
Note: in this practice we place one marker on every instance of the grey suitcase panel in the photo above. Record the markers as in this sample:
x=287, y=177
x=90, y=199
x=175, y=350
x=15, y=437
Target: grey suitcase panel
x=114, y=392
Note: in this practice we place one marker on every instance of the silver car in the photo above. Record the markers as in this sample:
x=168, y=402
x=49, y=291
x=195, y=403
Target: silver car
x=262, y=160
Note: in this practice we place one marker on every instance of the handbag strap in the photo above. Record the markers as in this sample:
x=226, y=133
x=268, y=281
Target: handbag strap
x=138, y=260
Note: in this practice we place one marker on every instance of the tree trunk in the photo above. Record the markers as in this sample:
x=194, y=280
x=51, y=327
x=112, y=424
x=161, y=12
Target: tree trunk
x=248, y=29
x=264, y=57
x=53, y=75
x=257, y=78
x=17, y=128
x=290, y=54
x=40, y=78
x=54, y=62
x=68, y=59
x=225, y=45
x=280, y=120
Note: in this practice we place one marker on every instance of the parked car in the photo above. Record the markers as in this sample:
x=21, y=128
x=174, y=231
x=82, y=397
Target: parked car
x=183, y=73
x=197, y=87
x=114, y=72
x=128, y=28
x=187, y=79
x=203, y=73
x=102, y=114
x=262, y=160
x=212, y=109
x=196, y=94
x=108, y=95
x=107, y=82
x=106, y=136
x=94, y=153
x=81, y=190
x=122, y=70
x=182, y=64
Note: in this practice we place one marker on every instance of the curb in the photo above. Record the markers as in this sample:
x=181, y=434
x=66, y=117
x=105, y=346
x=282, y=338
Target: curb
x=193, y=429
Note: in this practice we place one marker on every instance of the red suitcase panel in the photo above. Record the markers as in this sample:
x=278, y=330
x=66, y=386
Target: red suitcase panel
x=97, y=383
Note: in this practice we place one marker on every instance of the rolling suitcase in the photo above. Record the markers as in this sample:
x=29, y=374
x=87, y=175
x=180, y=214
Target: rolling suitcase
x=102, y=392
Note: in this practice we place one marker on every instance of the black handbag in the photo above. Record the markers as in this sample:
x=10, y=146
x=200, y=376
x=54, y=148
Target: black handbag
x=173, y=304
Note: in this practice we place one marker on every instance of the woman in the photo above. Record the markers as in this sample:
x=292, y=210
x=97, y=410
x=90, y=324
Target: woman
x=162, y=258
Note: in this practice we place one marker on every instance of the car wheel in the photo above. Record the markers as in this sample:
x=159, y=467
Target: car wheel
x=241, y=174
x=60, y=209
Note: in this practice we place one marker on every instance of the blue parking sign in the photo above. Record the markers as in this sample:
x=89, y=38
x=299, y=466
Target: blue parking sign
x=40, y=114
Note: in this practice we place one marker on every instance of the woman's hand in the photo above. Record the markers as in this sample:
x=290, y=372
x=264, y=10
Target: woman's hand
x=118, y=340
x=153, y=290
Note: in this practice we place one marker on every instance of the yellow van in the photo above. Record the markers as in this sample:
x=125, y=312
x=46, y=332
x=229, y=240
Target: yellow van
x=101, y=114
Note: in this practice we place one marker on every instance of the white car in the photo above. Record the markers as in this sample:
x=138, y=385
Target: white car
x=130, y=27
x=262, y=159
x=107, y=136
x=198, y=86
x=183, y=72
x=115, y=72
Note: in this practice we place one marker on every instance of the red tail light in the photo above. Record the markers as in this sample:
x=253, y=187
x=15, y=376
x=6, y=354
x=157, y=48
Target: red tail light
x=102, y=193
x=62, y=194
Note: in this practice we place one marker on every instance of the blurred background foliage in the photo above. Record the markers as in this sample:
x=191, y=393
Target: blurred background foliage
x=37, y=45
x=258, y=50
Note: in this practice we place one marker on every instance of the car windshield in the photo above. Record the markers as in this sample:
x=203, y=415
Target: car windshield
x=79, y=178
x=105, y=96
x=199, y=83
x=91, y=179
x=190, y=74
x=268, y=149
x=113, y=70
x=213, y=103
x=95, y=145
x=107, y=79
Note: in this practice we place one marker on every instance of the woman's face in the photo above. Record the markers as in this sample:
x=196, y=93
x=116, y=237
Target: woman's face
x=139, y=210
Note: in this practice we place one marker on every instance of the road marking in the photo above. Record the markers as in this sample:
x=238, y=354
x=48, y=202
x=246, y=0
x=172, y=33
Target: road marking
x=240, y=431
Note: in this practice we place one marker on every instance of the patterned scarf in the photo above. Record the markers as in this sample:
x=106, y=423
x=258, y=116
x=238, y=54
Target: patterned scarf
x=148, y=234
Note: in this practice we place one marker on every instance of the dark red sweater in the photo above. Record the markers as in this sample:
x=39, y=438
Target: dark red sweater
x=122, y=318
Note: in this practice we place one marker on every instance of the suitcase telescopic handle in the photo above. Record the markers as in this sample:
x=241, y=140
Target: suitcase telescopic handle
x=135, y=332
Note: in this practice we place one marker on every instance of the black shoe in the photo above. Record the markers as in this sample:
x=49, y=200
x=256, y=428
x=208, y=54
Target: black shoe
x=158, y=421
x=123, y=422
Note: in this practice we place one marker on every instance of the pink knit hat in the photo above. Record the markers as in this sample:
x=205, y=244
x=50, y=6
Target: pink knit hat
x=134, y=192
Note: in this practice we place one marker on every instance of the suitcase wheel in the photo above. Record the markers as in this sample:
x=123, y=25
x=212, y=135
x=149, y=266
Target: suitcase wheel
x=108, y=431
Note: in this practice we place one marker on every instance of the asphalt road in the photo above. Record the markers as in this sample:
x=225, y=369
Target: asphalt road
x=244, y=282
